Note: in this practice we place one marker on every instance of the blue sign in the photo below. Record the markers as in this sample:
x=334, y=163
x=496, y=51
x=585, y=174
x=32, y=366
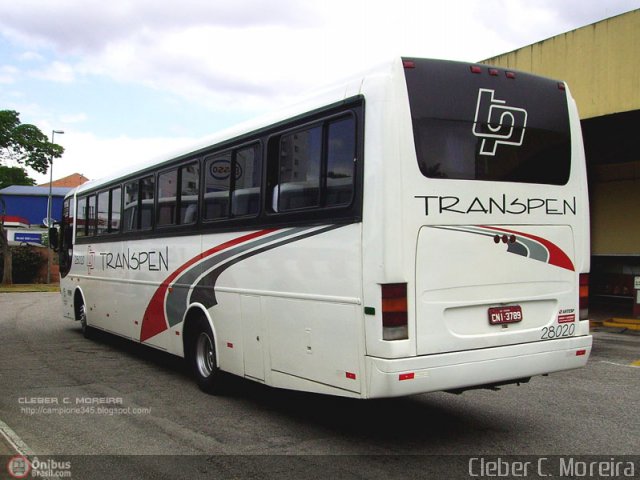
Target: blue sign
x=28, y=237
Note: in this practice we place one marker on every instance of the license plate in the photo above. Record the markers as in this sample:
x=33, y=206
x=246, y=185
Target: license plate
x=508, y=314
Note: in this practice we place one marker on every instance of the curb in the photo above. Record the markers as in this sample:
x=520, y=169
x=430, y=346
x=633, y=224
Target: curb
x=6, y=450
x=626, y=323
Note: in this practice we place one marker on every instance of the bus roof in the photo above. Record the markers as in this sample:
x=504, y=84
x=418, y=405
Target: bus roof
x=322, y=97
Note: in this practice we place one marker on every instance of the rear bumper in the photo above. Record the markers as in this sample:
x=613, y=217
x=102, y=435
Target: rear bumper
x=392, y=378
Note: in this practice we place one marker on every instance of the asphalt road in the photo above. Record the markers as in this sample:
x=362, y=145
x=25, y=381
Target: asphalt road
x=118, y=410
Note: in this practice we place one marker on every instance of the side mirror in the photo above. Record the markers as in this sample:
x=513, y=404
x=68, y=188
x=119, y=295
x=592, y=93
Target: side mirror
x=53, y=239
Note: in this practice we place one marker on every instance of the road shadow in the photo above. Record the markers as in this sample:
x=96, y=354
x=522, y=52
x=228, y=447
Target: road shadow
x=164, y=360
x=402, y=425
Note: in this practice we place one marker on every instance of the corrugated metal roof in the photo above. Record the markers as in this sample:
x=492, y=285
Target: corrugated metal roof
x=34, y=191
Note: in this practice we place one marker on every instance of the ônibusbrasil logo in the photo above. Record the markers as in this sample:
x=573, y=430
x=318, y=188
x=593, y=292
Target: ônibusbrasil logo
x=19, y=466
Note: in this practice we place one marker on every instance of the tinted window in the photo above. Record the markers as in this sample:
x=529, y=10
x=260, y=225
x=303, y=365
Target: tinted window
x=341, y=152
x=66, y=237
x=217, y=186
x=116, y=203
x=81, y=226
x=67, y=221
x=130, y=217
x=167, y=197
x=314, y=166
x=189, y=181
x=103, y=212
x=232, y=183
x=488, y=127
x=247, y=173
x=91, y=215
x=138, y=204
x=147, y=190
x=299, y=176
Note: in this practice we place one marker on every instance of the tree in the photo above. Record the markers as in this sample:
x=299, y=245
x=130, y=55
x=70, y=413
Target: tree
x=14, y=176
x=26, y=145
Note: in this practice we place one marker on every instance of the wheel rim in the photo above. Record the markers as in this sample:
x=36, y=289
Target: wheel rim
x=205, y=355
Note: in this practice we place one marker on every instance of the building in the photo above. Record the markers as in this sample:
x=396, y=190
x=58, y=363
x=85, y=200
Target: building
x=600, y=62
x=23, y=209
x=70, y=181
x=29, y=205
x=31, y=202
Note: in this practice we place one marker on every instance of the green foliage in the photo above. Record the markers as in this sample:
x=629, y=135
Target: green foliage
x=25, y=143
x=26, y=262
x=14, y=176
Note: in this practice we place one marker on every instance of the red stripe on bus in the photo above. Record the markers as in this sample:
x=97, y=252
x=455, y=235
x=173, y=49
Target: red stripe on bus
x=154, y=320
x=557, y=256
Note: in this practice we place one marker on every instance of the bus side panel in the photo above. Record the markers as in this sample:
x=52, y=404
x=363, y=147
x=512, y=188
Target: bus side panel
x=253, y=336
x=96, y=286
x=315, y=340
x=119, y=281
x=227, y=322
x=160, y=259
x=293, y=305
x=67, y=290
x=117, y=298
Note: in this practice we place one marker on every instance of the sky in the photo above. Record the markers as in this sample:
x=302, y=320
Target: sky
x=131, y=80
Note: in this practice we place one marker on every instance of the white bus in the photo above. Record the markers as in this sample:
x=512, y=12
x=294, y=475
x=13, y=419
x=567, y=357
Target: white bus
x=421, y=228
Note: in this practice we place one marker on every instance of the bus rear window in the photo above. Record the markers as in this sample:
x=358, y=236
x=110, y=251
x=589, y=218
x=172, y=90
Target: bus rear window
x=487, y=126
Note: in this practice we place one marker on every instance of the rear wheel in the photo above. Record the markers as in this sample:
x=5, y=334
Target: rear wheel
x=202, y=356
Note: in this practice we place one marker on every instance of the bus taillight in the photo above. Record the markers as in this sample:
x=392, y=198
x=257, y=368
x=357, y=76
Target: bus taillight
x=584, y=296
x=394, y=312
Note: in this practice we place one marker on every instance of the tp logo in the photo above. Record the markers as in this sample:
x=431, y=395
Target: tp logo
x=497, y=123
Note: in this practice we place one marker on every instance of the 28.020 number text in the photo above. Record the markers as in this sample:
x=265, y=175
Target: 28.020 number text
x=558, y=331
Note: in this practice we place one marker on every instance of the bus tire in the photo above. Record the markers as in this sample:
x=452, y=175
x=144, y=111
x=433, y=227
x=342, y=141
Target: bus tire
x=87, y=331
x=202, y=356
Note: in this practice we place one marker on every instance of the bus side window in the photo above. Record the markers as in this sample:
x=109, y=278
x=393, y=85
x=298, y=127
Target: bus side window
x=299, y=165
x=247, y=178
x=114, y=212
x=216, y=186
x=67, y=224
x=66, y=238
x=81, y=225
x=167, y=197
x=130, y=219
x=313, y=167
x=147, y=190
x=189, y=191
x=138, y=204
x=91, y=218
x=341, y=152
x=103, y=212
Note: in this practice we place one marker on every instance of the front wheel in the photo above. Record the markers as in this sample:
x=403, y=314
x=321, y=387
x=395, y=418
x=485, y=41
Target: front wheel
x=87, y=331
x=203, y=357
